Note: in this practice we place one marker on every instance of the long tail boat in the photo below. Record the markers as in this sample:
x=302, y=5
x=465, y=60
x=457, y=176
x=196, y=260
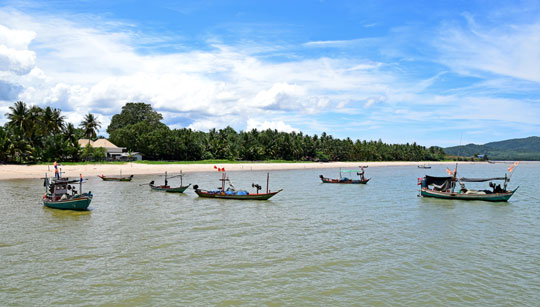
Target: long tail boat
x=444, y=187
x=232, y=193
x=346, y=180
x=167, y=188
x=60, y=194
x=110, y=178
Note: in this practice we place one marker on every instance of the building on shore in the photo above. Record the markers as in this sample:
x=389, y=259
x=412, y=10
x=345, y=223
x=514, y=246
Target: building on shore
x=114, y=153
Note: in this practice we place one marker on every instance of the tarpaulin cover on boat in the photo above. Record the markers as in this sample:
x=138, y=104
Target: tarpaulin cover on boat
x=437, y=180
x=480, y=179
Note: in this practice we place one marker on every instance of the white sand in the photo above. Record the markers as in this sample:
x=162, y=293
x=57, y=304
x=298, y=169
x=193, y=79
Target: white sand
x=38, y=171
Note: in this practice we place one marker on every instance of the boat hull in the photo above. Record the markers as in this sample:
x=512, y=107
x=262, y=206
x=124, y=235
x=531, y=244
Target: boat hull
x=351, y=181
x=79, y=204
x=116, y=178
x=170, y=190
x=494, y=197
x=261, y=196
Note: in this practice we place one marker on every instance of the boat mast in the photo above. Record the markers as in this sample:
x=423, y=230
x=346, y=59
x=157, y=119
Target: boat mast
x=267, y=182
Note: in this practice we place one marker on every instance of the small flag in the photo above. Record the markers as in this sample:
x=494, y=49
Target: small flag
x=81, y=177
x=215, y=167
x=223, y=169
x=419, y=181
x=449, y=171
x=511, y=168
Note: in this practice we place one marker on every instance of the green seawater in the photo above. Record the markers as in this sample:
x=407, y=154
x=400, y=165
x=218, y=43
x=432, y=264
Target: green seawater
x=313, y=244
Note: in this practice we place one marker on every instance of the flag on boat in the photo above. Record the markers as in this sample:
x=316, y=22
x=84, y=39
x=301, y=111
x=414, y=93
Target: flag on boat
x=81, y=177
x=449, y=171
x=419, y=181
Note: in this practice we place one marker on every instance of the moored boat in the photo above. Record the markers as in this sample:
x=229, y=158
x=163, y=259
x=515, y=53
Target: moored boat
x=110, y=178
x=445, y=187
x=345, y=180
x=232, y=193
x=60, y=194
x=166, y=188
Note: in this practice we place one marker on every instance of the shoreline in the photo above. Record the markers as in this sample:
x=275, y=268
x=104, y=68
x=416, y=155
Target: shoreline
x=8, y=172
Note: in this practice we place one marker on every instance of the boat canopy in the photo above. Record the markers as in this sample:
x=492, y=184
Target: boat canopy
x=437, y=180
x=480, y=179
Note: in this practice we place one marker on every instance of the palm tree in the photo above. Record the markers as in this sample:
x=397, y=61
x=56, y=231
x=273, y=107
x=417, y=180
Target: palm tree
x=58, y=121
x=19, y=119
x=90, y=125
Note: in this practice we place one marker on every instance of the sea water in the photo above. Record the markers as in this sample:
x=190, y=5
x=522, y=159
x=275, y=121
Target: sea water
x=312, y=244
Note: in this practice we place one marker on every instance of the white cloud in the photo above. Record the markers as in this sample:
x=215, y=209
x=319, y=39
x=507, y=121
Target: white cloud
x=82, y=66
x=14, y=54
x=274, y=125
x=81, y=69
x=509, y=50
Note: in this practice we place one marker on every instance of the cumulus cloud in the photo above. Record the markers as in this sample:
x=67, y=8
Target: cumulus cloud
x=274, y=125
x=14, y=54
x=85, y=66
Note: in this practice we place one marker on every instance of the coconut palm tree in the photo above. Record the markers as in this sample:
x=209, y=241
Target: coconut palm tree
x=19, y=119
x=90, y=125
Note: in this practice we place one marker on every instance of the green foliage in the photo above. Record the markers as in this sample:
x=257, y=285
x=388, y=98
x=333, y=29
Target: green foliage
x=513, y=149
x=133, y=113
x=90, y=126
x=90, y=153
x=35, y=134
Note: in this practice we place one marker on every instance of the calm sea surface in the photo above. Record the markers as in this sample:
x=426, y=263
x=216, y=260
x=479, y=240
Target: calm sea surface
x=312, y=244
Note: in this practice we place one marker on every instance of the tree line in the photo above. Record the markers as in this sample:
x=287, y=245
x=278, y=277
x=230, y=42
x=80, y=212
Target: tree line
x=35, y=134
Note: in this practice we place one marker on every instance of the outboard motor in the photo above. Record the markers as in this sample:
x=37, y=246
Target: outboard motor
x=256, y=186
x=196, y=187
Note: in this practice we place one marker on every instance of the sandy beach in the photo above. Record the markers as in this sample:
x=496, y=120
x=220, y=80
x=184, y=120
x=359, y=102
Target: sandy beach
x=38, y=171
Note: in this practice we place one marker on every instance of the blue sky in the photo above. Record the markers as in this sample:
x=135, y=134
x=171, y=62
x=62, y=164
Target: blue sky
x=431, y=72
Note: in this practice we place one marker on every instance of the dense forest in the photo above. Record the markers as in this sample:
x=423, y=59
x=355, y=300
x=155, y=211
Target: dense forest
x=33, y=134
x=513, y=149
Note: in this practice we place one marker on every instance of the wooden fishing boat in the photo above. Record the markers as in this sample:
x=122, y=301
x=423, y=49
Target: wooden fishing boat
x=228, y=194
x=478, y=195
x=167, y=188
x=110, y=178
x=60, y=194
x=232, y=193
x=346, y=180
x=424, y=166
x=444, y=188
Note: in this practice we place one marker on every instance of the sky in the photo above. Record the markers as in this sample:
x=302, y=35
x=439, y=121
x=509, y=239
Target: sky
x=438, y=73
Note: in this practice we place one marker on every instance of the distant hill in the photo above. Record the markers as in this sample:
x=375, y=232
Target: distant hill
x=527, y=149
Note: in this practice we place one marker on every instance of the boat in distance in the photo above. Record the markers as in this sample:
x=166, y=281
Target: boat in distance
x=60, y=194
x=110, y=178
x=167, y=188
x=346, y=180
x=232, y=193
x=445, y=187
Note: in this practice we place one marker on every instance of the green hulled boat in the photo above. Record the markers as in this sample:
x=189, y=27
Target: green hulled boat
x=60, y=194
x=444, y=188
x=505, y=196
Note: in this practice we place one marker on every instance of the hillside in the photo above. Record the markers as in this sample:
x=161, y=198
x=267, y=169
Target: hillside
x=513, y=149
